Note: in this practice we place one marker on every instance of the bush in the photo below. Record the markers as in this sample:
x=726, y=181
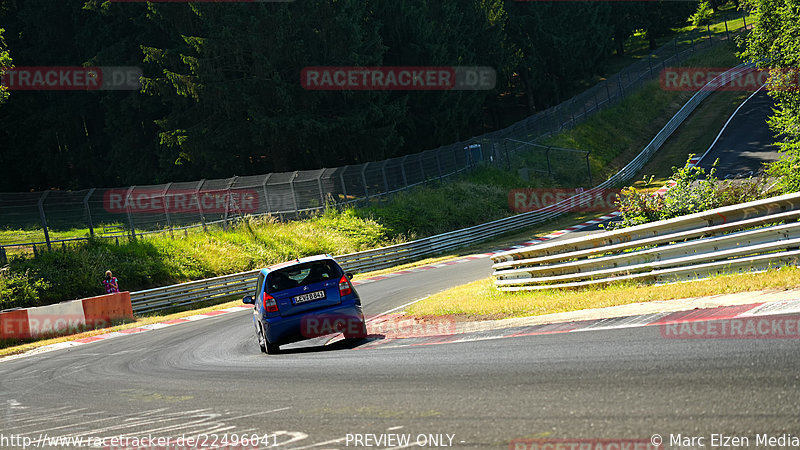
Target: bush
x=694, y=191
x=19, y=290
x=787, y=168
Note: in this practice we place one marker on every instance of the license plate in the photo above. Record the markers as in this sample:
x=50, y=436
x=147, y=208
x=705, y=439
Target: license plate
x=309, y=297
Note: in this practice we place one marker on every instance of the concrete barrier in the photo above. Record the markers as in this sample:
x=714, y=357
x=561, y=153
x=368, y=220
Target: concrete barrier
x=65, y=317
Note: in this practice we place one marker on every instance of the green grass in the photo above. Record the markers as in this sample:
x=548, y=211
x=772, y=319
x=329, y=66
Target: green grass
x=480, y=299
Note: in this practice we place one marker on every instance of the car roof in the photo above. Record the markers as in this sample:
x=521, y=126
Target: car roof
x=295, y=262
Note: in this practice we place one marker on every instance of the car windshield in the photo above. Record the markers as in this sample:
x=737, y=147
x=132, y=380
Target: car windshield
x=302, y=275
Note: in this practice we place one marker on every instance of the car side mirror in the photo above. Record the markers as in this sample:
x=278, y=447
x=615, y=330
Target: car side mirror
x=349, y=275
x=248, y=300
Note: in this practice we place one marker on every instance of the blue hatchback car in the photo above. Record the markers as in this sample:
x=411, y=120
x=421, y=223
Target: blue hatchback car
x=302, y=299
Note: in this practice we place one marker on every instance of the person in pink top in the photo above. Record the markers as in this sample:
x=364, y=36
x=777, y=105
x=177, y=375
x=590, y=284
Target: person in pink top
x=111, y=283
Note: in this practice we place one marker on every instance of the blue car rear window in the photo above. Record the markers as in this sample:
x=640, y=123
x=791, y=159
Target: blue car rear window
x=302, y=275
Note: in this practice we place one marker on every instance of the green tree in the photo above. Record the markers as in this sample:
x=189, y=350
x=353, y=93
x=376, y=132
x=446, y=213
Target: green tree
x=5, y=63
x=775, y=44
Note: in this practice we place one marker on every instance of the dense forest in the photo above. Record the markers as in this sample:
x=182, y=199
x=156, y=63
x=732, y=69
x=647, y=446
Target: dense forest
x=221, y=93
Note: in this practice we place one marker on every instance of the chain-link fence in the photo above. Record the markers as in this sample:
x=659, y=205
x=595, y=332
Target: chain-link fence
x=55, y=217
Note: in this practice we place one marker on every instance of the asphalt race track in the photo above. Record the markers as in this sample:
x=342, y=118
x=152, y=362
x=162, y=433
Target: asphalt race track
x=209, y=377
x=208, y=381
x=746, y=143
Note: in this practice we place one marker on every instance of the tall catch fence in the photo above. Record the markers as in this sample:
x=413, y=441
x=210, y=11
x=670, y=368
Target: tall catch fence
x=56, y=217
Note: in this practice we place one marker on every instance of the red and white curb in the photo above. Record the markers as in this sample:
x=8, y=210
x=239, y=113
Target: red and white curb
x=127, y=332
x=741, y=313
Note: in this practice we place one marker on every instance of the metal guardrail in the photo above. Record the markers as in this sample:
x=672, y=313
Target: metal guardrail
x=745, y=237
x=229, y=285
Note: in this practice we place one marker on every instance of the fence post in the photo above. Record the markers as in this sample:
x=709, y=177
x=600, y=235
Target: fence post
x=228, y=202
x=294, y=194
x=588, y=168
x=364, y=180
x=619, y=82
x=727, y=35
x=438, y=163
x=572, y=110
x=385, y=180
x=130, y=213
x=200, y=204
x=166, y=208
x=323, y=204
x=268, y=208
x=547, y=156
x=508, y=160
x=744, y=19
x=403, y=170
x=89, y=211
x=3, y=257
x=341, y=180
x=708, y=32
x=44, y=219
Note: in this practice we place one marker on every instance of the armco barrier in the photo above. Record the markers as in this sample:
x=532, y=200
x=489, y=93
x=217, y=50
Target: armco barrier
x=65, y=317
x=745, y=237
x=157, y=299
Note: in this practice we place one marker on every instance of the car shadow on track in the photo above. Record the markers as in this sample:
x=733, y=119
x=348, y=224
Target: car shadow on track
x=328, y=344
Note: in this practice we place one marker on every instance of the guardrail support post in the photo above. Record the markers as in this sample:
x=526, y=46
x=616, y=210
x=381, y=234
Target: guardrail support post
x=89, y=211
x=44, y=219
